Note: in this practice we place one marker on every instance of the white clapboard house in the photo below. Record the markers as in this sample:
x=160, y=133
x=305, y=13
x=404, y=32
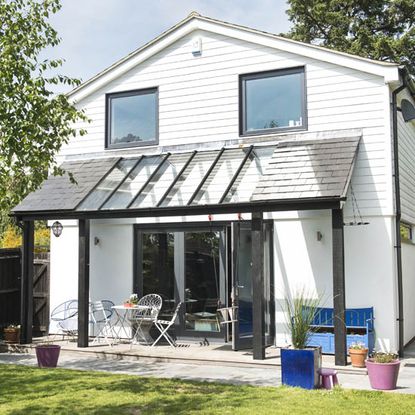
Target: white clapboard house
x=226, y=166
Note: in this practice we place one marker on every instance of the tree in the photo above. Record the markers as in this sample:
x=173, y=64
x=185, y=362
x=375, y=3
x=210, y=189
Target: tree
x=377, y=29
x=34, y=122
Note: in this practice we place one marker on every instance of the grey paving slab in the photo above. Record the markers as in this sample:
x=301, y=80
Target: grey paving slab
x=257, y=376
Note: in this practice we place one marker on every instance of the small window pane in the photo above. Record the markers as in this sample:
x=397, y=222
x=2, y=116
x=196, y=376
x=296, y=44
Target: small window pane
x=273, y=102
x=133, y=118
x=103, y=190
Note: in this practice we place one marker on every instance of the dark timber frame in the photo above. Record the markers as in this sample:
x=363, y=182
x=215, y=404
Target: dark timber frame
x=257, y=209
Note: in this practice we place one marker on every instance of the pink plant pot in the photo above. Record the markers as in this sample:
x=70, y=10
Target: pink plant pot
x=383, y=376
x=47, y=355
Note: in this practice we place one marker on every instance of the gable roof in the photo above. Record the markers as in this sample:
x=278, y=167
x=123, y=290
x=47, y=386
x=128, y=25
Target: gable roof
x=196, y=21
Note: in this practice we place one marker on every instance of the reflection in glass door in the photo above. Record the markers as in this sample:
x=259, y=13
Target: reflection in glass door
x=202, y=282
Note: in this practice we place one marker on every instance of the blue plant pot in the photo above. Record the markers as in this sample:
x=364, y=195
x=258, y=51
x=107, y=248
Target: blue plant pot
x=300, y=367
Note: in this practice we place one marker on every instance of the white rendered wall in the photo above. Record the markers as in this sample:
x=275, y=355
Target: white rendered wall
x=63, y=267
x=302, y=262
x=408, y=279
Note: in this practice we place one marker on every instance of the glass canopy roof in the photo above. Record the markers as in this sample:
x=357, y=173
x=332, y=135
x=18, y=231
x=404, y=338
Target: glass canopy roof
x=170, y=180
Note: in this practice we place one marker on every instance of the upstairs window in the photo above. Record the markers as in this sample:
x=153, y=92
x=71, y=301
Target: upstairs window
x=273, y=101
x=132, y=118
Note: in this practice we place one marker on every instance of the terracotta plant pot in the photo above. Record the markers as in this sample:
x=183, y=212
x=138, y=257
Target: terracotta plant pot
x=358, y=357
x=11, y=335
x=47, y=355
x=383, y=376
x=128, y=305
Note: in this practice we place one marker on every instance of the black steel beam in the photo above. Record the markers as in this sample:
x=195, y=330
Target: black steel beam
x=281, y=205
x=149, y=180
x=339, y=289
x=199, y=187
x=235, y=176
x=173, y=183
x=258, y=289
x=26, y=306
x=83, y=283
x=120, y=183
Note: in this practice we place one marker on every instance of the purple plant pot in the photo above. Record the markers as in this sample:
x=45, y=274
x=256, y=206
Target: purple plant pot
x=383, y=376
x=47, y=355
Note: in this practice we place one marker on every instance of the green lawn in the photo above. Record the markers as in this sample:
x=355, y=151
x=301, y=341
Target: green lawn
x=27, y=390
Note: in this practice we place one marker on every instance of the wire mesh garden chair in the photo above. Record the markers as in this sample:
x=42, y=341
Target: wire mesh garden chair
x=100, y=316
x=144, y=316
x=164, y=325
x=66, y=317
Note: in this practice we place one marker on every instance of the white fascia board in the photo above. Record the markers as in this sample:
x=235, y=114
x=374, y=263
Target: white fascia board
x=389, y=71
x=129, y=63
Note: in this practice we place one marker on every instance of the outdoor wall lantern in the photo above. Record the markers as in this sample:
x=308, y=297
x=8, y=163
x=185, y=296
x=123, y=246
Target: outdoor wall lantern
x=57, y=229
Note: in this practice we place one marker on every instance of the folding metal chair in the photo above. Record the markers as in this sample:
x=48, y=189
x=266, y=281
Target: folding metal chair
x=164, y=325
x=100, y=316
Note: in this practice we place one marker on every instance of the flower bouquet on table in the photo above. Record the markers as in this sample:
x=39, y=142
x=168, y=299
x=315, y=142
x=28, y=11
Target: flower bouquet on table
x=132, y=301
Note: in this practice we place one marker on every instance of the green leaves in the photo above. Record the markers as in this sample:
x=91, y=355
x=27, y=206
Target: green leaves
x=34, y=124
x=377, y=29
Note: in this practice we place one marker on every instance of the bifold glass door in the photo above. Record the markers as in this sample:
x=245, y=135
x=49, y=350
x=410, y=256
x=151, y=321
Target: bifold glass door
x=186, y=266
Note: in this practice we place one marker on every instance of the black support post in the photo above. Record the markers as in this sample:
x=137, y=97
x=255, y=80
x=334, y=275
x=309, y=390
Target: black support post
x=258, y=306
x=26, y=306
x=339, y=288
x=83, y=283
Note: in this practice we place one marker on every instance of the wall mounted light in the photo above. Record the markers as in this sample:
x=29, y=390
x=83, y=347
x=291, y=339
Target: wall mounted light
x=57, y=229
x=96, y=240
x=319, y=236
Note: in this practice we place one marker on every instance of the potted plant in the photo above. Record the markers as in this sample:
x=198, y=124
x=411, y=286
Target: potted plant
x=12, y=334
x=132, y=301
x=358, y=353
x=383, y=370
x=47, y=354
x=300, y=364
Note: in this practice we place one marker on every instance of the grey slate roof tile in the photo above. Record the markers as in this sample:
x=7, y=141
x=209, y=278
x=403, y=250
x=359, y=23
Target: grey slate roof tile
x=58, y=193
x=308, y=169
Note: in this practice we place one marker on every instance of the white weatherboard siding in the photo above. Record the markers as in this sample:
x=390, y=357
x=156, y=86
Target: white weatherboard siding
x=408, y=279
x=198, y=103
x=406, y=139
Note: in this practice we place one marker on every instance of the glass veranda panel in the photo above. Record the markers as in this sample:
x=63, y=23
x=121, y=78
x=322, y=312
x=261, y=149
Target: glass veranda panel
x=94, y=200
x=159, y=184
x=133, y=183
x=184, y=188
x=220, y=177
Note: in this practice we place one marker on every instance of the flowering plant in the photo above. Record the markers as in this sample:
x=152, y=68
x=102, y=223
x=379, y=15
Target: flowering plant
x=384, y=357
x=358, y=346
x=132, y=300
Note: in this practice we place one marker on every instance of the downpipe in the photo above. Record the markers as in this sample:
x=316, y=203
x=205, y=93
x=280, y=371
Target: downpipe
x=398, y=246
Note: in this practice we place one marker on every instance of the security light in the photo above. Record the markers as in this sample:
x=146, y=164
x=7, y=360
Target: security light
x=408, y=110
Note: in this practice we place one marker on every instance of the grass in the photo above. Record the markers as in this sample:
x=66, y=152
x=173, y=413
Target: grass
x=28, y=390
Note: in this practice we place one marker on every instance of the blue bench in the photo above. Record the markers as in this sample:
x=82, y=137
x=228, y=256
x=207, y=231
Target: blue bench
x=359, y=328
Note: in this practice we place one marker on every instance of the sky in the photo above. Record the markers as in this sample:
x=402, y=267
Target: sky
x=96, y=33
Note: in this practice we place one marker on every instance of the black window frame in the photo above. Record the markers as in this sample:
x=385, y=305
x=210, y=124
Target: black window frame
x=135, y=92
x=270, y=74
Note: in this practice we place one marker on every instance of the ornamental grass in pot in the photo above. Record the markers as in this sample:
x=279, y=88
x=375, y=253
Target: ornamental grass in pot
x=358, y=354
x=383, y=370
x=300, y=363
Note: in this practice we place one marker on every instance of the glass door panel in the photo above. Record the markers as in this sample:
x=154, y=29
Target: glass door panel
x=202, y=281
x=158, y=269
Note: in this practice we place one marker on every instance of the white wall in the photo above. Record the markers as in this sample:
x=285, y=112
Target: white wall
x=111, y=262
x=198, y=103
x=408, y=277
x=303, y=262
x=63, y=267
